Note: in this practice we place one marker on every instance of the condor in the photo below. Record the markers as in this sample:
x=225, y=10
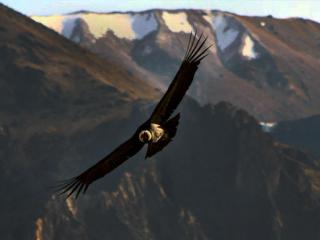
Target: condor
x=156, y=132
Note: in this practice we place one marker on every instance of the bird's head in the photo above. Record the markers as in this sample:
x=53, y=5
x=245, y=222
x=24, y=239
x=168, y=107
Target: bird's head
x=145, y=136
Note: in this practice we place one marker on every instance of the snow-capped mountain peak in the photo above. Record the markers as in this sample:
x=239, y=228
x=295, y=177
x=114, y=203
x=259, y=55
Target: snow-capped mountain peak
x=177, y=21
x=123, y=25
x=262, y=57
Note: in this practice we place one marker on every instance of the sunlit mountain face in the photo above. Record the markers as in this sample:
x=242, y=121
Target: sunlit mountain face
x=62, y=108
x=264, y=65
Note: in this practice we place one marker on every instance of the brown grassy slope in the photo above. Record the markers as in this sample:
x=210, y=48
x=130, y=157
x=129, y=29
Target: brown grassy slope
x=294, y=45
x=54, y=54
x=45, y=78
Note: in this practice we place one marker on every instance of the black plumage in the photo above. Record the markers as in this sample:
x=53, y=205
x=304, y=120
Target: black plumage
x=196, y=51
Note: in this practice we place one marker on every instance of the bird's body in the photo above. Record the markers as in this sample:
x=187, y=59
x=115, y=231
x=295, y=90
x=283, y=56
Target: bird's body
x=153, y=134
x=157, y=132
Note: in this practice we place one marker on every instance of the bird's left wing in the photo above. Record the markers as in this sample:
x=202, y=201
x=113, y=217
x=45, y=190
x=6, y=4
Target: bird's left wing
x=195, y=52
x=104, y=166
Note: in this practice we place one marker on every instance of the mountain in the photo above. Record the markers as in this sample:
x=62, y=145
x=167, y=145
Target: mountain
x=238, y=183
x=264, y=65
x=31, y=57
x=50, y=89
x=302, y=133
x=221, y=178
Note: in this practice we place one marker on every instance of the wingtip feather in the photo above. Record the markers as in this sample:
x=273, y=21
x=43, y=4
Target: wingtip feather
x=68, y=187
x=196, y=49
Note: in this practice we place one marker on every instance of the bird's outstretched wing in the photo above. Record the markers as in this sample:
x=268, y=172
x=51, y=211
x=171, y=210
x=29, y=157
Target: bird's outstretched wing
x=196, y=51
x=104, y=166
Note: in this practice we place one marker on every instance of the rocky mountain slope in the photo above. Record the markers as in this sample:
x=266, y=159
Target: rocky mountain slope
x=236, y=184
x=47, y=86
x=221, y=178
x=267, y=66
x=32, y=55
x=302, y=133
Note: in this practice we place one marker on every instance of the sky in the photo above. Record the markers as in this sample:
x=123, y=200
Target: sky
x=277, y=8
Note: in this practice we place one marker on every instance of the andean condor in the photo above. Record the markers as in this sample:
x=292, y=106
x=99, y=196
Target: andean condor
x=157, y=131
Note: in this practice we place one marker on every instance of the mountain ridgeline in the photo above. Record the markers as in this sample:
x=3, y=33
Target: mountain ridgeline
x=63, y=108
x=264, y=65
x=302, y=133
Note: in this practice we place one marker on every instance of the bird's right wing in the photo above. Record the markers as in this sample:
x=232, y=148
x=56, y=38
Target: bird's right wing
x=104, y=166
x=196, y=51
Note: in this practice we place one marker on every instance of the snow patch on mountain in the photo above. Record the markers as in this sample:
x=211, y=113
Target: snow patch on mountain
x=54, y=22
x=224, y=33
x=268, y=126
x=130, y=26
x=177, y=22
x=59, y=23
x=99, y=24
x=247, y=48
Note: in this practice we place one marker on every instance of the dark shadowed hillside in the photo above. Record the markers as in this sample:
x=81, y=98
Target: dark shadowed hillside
x=303, y=133
x=225, y=180
x=63, y=108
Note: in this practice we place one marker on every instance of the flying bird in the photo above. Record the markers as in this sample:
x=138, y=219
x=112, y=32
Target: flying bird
x=156, y=132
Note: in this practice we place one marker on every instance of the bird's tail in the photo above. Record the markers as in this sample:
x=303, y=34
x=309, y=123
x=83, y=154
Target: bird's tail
x=171, y=126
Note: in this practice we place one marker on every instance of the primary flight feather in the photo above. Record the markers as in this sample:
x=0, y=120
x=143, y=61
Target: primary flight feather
x=157, y=131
